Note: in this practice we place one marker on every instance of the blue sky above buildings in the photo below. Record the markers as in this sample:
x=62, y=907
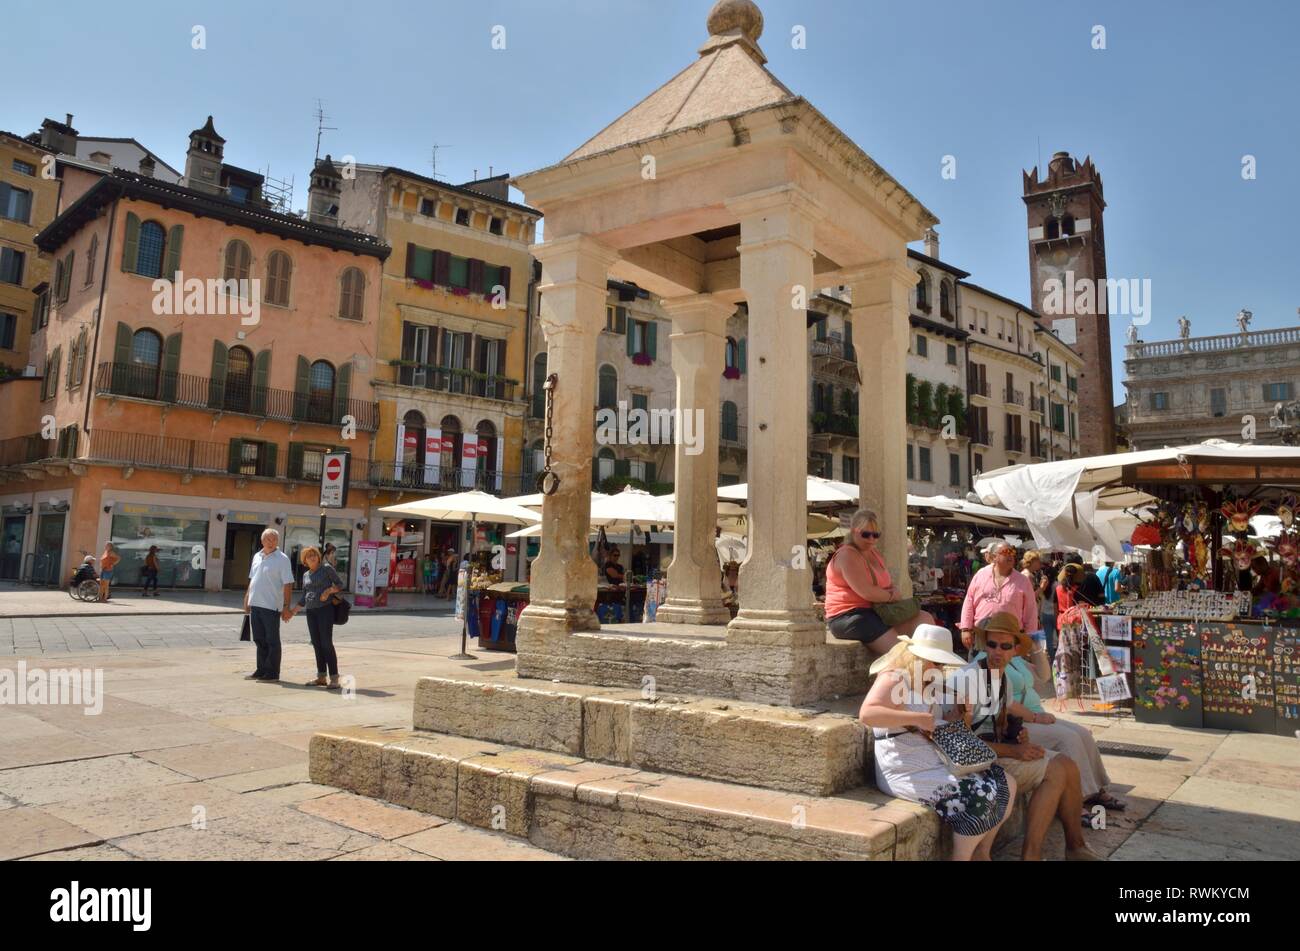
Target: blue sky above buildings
x=1183, y=91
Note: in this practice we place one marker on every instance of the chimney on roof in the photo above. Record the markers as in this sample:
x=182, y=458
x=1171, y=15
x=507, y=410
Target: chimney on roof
x=147, y=166
x=59, y=136
x=325, y=193
x=932, y=243
x=204, y=159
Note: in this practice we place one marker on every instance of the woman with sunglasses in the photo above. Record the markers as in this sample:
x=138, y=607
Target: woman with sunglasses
x=857, y=580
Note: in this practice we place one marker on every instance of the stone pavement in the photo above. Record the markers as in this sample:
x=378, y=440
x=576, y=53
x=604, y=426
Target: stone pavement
x=188, y=760
x=21, y=600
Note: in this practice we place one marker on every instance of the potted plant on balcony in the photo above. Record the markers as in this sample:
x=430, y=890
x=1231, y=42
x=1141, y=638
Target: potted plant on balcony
x=925, y=403
x=819, y=422
x=731, y=373
x=642, y=359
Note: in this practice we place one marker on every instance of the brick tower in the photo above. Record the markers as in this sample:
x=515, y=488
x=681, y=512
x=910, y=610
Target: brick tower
x=1066, y=239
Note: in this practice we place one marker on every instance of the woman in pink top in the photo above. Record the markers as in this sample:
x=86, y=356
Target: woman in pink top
x=999, y=587
x=856, y=581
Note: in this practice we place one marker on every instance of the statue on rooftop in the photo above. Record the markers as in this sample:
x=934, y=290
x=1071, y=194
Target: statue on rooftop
x=1243, y=320
x=1184, y=327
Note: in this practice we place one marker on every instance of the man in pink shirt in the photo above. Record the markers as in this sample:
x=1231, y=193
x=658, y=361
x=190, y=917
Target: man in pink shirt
x=999, y=587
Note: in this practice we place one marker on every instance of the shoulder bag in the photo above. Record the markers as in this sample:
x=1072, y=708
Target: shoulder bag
x=891, y=612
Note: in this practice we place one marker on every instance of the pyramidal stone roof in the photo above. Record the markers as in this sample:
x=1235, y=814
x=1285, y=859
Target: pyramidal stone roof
x=728, y=79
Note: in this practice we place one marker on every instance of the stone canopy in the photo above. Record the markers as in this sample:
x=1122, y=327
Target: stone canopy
x=721, y=187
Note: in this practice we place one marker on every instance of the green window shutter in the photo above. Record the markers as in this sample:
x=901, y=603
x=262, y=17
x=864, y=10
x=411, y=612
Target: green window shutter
x=67, y=275
x=54, y=369
x=650, y=346
x=649, y=473
x=410, y=259
x=295, y=460
x=236, y=456
x=302, y=376
x=620, y=320
x=131, y=243
x=171, y=364
x=120, y=372
x=58, y=279
x=175, y=237
x=342, y=392
x=261, y=374
x=217, y=382
x=631, y=340
x=740, y=354
x=267, y=459
x=622, y=467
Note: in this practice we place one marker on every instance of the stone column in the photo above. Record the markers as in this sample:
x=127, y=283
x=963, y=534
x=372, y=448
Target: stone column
x=776, y=276
x=563, y=581
x=880, y=332
x=694, y=579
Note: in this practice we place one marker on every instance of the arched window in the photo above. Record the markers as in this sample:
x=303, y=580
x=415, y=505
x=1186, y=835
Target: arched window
x=352, y=294
x=923, y=292
x=733, y=354
x=539, y=383
x=146, y=363
x=279, y=269
x=149, y=257
x=238, y=264
x=321, y=391
x=412, y=448
x=1053, y=228
x=608, y=390
x=239, y=379
x=1067, y=225
x=945, y=300
x=730, y=422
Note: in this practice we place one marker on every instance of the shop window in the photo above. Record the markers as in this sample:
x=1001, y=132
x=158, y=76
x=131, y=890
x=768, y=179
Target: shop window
x=178, y=536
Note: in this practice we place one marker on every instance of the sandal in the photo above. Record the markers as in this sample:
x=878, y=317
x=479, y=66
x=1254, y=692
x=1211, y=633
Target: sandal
x=1107, y=801
x=318, y=682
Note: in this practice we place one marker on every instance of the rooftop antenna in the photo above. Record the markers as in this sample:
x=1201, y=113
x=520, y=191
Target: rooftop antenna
x=321, y=127
x=433, y=158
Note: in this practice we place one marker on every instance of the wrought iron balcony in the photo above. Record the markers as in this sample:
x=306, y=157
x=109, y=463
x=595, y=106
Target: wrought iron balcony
x=21, y=450
x=436, y=480
x=834, y=424
x=1014, y=443
x=978, y=387
x=1013, y=397
x=450, y=380
x=230, y=396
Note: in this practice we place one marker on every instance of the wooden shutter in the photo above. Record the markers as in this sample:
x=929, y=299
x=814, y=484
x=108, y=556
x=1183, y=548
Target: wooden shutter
x=410, y=259
x=131, y=243
x=261, y=378
x=294, y=469
x=650, y=338
x=171, y=364
x=266, y=459
x=342, y=391
x=217, y=382
x=120, y=372
x=58, y=279
x=442, y=268
x=53, y=372
x=67, y=274
x=504, y=279
x=474, y=278
x=236, y=455
x=631, y=339
x=620, y=320
x=301, y=383
x=740, y=354
x=172, y=263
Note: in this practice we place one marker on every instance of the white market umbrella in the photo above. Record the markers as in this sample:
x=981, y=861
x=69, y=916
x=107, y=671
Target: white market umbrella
x=466, y=507
x=633, y=509
x=819, y=491
x=535, y=500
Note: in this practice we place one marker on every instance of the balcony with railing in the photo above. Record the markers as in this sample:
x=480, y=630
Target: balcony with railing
x=978, y=388
x=451, y=380
x=22, y=450
x=230, y=396
x=980, y=437
x=444, y=480
x=1013, y=397
x=1013, y=442
x=833, y=424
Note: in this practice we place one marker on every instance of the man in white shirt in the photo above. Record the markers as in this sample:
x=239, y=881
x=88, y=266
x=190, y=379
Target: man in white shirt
x=267, y=602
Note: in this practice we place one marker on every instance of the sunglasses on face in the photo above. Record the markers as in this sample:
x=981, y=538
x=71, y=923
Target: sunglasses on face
x=868, y=534
x=995, y=646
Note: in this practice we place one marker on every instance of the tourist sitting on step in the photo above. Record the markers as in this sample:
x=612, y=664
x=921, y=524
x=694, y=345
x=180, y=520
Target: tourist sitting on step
x=862, y=602
x=1072, y=739
x=908, y=764
x=1051, y=780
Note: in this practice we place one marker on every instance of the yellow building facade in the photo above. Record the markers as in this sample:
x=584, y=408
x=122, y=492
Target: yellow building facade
x=29, y=196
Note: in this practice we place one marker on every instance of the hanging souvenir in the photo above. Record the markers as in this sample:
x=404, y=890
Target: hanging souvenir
x=1239, y=514
x=1286, y=510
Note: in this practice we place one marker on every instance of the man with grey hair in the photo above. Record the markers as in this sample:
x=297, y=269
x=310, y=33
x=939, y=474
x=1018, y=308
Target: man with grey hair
x=267, y=602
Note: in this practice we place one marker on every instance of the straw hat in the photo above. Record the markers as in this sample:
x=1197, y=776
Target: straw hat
x=1003, y=623
x=928, y=642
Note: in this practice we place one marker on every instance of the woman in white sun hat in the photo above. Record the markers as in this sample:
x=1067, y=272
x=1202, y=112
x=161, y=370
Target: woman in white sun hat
x=908, y=764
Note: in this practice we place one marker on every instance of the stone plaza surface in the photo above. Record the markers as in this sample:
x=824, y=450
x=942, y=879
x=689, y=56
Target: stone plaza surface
x=183, y=737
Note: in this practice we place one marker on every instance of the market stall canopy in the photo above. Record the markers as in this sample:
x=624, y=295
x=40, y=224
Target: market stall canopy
x=534, y=501
x=820, y=491
x=466, y=507
x=942, y=508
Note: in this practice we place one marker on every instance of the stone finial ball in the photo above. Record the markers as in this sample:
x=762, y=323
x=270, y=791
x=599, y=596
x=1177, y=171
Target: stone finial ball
x=743, y=15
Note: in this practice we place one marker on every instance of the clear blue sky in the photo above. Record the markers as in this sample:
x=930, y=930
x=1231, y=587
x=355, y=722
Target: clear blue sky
x=1167, y=111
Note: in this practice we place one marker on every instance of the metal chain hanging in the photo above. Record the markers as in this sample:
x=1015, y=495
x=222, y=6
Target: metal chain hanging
x=548, y=483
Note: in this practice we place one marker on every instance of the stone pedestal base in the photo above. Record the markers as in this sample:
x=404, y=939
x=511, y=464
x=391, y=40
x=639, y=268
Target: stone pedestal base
x=686, y=611
x=549, y=620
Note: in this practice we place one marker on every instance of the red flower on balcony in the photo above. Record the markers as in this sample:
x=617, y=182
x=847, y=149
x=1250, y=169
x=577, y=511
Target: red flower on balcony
x=642, y=359
x=421, y=282
x=731, y=373
x=459, y=291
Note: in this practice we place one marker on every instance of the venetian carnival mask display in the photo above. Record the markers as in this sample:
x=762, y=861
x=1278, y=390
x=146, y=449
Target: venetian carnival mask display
x=1239, y=514
x=1286, y=511
x=1287, y=546
x=1241, y=553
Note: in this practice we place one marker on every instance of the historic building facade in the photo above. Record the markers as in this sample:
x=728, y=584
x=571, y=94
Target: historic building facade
x=201, y=355
x=1225, y=386
x=29, y=195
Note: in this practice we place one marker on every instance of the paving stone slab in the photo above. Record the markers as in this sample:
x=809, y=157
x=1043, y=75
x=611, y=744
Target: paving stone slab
x=380, y=819
x=81, y=780
x=29, y=831
x=149, y=809
x=456, y=843
x=88, y=853
x=1148, y=846
x=245, y=754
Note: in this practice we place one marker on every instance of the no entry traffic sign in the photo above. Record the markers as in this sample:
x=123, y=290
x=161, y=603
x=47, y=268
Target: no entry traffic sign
x=334, y=480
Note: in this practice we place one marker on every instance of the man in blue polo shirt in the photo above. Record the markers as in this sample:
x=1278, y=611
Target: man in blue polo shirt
x=267, y=602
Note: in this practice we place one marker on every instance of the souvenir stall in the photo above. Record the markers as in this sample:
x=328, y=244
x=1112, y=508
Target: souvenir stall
x=1209, y=639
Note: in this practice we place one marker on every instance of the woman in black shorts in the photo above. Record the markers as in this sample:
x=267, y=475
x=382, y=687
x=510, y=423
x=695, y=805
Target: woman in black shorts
x=856, y=580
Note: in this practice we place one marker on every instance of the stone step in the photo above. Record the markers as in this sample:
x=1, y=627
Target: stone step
x=810, y=751
x=605, y=811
